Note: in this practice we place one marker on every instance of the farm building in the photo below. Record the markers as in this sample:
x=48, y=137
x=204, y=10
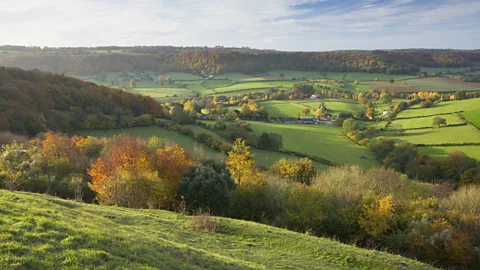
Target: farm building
x=307, y=120
x=386, y=113
x=290, y=121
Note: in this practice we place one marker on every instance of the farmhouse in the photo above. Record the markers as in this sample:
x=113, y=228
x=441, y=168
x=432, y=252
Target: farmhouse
x=386, y=113
x=314, y=97
x=290, y=121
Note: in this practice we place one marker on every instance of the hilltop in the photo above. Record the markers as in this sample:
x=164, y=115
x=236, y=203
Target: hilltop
x=43, y=232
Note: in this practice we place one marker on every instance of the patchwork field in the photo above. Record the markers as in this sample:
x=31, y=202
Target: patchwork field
x=323, y=141
x=335, y=106
x=426, y=122
x=441, y=84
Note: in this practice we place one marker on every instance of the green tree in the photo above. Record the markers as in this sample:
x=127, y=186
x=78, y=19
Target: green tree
x=398, y=128
x=202, y=187
x=349, y=125
x=439, y=121
x=305, y=111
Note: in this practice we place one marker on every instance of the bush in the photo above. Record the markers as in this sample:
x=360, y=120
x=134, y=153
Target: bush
x=203, y=222
x=202, y=187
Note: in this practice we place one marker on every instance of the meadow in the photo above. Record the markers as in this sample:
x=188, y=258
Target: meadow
x=284, y=109
x=440, y=152
x=473, y=117
x=459, y=134
x=323, y=141
x=44, y=232
x=335, y=106
x=425, y=122
x=442, y=108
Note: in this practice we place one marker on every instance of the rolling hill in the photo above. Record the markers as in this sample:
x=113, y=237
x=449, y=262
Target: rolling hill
x=42, y=232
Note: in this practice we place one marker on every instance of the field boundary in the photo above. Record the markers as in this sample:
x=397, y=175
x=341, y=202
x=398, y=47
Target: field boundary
x=447, y=144
x=432, y=127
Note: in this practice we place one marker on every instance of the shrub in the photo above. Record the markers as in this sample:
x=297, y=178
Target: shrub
x=301, y=171
x=203, y=221
x=202, y=187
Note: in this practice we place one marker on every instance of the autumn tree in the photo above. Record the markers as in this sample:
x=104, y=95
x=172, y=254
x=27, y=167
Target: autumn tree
x=319, y=112
x=301, y=171
x=378, y=217
x=170, y=163
x=123, y=175
x=133, y=83
x=240, y=163
x=398, y=128
x=161, y=80
x=305, y=111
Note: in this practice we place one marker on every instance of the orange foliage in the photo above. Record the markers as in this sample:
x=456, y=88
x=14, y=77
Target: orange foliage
x=124, y=154
x=171, y=162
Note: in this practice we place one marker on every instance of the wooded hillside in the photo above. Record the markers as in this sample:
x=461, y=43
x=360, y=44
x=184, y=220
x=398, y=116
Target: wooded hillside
x=32, y=101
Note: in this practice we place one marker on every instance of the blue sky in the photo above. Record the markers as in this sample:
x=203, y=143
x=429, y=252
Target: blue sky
x=293, y=25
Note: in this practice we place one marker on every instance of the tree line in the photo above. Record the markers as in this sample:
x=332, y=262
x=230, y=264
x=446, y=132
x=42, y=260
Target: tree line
x=204, y=61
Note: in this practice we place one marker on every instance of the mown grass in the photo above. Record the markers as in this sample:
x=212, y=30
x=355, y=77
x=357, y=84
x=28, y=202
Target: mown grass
x=323, y=141
x=234, y=76
x=441, y=152
x=427, y=121
x=216, y=83
x=182, y=76
x=473, y=117
x=42, y=232
x=443, y=108
x=243, y=86
x=157, y=93
x=459, y=134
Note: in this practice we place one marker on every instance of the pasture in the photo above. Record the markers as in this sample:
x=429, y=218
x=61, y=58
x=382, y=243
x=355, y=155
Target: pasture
x=426, y=122
x=442, y=108
x=264, y=158
x=365, y=76
x=216, y=83
x=335, y=106
x=459, y=134
x=323, y=141
x=473, y=116
x=441, y=84
x=284, y=109
x=440, y=152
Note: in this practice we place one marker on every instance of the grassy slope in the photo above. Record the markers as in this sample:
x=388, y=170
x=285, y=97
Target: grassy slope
x=444, y=107
x=460, y=134
x=472, y=151
x=319, y=140
x=43, y=232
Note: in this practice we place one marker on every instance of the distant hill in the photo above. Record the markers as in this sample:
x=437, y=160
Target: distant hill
x=42, y=232
x=203, y=60
x=34, y=101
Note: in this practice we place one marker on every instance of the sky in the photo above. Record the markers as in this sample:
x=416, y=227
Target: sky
x=290, y=25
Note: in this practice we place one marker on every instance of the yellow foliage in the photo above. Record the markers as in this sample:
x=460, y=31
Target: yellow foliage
x=378, y=217
x=240, y=163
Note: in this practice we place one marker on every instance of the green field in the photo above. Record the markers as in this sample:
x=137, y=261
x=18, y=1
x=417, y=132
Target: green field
x=431, y=70
x=284, y=109
x=365, y=76
x=158, y=93
x=216, y=83
x=243, y=86
x=264, y=158
x=335, y=106
x=473, y=117
x=234, y=76
x=440, y=152
x=43, y=232
x=460, y=134
x=323, y=141
x=432, y=84
x=182, y=76
x=427, y=121
x=443, y=108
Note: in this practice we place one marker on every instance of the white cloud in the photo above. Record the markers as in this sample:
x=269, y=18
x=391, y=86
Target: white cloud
x=256, y=23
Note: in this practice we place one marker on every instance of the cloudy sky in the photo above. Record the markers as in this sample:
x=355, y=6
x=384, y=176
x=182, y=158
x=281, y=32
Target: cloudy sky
x=294, y=25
